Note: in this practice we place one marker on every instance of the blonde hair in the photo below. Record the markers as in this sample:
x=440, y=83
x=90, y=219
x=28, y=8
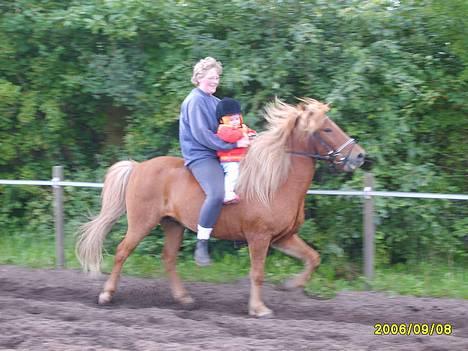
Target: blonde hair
x=267, y=164
x=203, y=66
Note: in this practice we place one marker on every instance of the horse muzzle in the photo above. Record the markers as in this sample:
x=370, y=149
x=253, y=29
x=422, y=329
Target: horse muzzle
x=354, y=161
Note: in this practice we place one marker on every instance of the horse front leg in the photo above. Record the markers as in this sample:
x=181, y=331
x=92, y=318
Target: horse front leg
x=174, y=232
x=258, y=248
x=296, y=247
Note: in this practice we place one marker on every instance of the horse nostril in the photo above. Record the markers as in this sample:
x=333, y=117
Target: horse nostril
x=360, y=156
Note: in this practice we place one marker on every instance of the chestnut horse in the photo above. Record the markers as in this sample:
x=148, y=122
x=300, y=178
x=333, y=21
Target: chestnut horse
x=273, y=182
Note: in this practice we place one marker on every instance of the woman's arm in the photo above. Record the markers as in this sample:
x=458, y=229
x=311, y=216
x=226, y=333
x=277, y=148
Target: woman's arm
x=229, y=134
x=199, y=125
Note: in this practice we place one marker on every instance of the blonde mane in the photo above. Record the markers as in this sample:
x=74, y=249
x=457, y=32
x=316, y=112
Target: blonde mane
x=267, y=164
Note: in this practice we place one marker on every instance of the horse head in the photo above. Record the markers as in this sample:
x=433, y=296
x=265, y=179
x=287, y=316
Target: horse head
x=318, y=137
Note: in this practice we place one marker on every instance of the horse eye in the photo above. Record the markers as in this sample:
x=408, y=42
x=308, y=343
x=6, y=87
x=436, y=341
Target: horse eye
x=327, y=130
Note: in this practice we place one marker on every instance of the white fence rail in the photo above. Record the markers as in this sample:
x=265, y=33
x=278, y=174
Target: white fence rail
x=368, y=192
x=51, y=183
x=363, y=193
x=57, y=183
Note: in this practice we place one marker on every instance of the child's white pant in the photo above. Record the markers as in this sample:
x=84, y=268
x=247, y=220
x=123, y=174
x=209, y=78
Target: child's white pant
x=231, y=173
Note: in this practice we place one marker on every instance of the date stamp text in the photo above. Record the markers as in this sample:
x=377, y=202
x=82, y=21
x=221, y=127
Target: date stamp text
x=413, y=329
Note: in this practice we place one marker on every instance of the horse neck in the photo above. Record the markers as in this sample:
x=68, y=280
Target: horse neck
x=302, y=169
x=300, y=176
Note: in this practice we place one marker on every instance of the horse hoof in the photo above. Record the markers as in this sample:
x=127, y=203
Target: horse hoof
x=104, y=298
x=291, y=284
x=185, y=300
x=264, y=314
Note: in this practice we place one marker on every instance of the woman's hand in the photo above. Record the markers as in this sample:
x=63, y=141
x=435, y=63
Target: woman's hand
x=244, y=142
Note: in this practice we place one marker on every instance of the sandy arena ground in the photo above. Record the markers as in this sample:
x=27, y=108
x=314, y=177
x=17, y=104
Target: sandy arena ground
x=57, y=310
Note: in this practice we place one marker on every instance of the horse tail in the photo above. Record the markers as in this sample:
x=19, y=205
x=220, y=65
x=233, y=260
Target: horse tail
x=93, y=233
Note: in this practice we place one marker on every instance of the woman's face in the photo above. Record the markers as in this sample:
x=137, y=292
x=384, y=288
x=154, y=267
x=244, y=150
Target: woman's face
x=209, y=82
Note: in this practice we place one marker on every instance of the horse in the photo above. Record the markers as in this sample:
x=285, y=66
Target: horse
x=274, y=178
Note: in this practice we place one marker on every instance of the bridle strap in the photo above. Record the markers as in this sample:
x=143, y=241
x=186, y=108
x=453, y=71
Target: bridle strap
x=342, y=147
x=310, y=155
x=331, y=156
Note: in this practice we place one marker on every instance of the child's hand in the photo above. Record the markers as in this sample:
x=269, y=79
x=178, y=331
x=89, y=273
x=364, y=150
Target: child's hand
x=251, y=134
x=244, y=142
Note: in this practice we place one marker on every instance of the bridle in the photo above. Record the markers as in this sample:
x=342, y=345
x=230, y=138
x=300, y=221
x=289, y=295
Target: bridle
x=333, y=156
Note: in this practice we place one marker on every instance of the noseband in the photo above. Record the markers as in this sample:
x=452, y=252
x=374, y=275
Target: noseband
x=333, y=156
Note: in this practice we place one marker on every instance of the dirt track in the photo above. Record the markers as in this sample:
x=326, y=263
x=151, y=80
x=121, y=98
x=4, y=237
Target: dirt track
x=57, y=310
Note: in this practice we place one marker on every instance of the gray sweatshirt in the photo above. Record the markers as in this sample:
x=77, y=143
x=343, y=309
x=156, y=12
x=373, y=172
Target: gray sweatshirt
x=197, y=127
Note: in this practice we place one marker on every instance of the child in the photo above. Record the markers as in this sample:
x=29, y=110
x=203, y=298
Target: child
x=231, y=129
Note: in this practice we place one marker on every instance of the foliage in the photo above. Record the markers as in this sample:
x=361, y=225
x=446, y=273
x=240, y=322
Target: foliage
x=85, y=83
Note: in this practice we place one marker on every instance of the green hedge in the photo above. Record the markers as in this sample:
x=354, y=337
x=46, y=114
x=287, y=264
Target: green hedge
x=87, y=83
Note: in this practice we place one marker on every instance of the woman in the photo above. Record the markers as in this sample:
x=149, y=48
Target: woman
x=199, y=143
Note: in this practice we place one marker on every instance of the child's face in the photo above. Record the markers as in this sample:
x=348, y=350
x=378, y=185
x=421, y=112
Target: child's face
x=235, y=120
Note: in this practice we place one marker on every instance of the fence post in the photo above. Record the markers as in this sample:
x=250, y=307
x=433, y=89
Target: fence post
x=57, y=175
x=369, y=229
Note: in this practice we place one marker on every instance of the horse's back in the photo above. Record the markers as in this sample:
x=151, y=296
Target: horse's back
x=165, y=162
x=165, y=185
x=161, y=173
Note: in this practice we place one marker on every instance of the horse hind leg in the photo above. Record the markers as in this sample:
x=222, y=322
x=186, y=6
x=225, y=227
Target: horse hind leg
x=137, y=230
x=296, y=247
x=174, y=233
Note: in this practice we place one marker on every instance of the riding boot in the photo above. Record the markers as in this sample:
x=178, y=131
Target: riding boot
x=202, y=257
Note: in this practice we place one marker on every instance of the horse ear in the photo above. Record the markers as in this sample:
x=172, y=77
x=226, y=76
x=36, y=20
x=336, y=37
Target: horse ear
x=301, y=107
x=297, y=119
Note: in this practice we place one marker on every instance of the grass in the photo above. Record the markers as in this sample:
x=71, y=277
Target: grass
x=424, y=279
x=421, y=279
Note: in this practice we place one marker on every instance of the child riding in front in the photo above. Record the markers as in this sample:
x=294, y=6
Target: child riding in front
x=231, y=129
